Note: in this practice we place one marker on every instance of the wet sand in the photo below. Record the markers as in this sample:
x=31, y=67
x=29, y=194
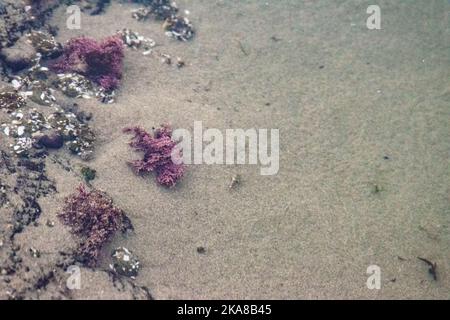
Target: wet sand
x=364, y=140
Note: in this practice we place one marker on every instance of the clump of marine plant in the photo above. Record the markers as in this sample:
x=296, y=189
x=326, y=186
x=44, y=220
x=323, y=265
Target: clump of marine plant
x=101, y=62
x=157, y=154
x=94, y=218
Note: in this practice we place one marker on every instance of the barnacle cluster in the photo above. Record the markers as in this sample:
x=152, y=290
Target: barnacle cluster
x=176, y=26
x=179, y=28
x=161, y=9
x=22, y=127
x=141, y=14
x=10, y=100
x=125, y=262
x=101, y=62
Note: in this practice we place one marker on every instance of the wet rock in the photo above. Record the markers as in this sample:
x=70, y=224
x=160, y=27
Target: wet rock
x=19, y=56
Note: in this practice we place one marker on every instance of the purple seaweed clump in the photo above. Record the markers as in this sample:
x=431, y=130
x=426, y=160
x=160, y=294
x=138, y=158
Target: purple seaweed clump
x=157, y=151
x=92, y=216
x=101, y=61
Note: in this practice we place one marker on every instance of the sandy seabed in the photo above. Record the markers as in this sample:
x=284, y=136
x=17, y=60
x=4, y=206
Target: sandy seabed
x=364, y=155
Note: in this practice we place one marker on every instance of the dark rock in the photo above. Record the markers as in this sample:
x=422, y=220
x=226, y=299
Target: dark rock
x=19, y=56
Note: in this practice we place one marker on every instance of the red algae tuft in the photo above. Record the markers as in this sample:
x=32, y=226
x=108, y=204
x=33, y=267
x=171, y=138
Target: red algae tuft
x=101, y=62
x=92, y=216
x=157, y=151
